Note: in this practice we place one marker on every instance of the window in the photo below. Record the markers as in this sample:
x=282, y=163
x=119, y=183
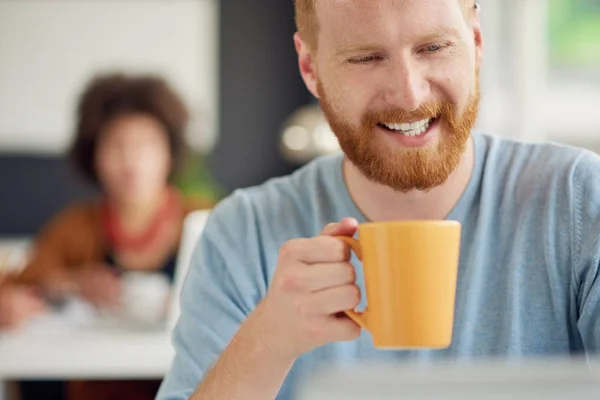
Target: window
x=573, y=34
x=574, y=38
x=541, y=78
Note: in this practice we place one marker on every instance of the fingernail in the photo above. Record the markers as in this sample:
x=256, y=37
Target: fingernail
x=351, y=221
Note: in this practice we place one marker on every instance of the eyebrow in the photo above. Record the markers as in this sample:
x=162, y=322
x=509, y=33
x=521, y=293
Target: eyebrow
x=439, y=32
x=434, y=34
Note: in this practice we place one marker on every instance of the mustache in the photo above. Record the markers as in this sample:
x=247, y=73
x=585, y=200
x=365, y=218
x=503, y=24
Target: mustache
x=396, y=115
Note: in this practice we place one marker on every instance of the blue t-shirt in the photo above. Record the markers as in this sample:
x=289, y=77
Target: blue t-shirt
x=528, y=281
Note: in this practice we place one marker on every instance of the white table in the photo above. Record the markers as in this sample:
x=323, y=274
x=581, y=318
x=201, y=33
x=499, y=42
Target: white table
x=85, y=355
x=73, y=346
x=70, y=346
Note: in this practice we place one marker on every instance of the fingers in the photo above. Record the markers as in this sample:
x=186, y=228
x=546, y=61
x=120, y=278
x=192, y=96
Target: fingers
x=19, y=305
x=333, y=329
x=33, y=305
x=331, y=301
x=327, y=258
x=313, y=283
x=340, y=329
x=323, y=248
x=318, y=277
x=110, y=294
x=101, y=288
x=320, y=249
x=346, y=227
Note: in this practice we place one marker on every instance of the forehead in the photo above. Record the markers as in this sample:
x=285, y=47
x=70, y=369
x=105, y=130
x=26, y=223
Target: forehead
x=131, y=127
x=350, y=21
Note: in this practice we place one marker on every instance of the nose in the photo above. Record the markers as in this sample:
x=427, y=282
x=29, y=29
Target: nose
x=407, y=86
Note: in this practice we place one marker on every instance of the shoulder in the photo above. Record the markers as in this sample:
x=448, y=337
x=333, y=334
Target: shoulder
x=70, y=238
x=243, y=233
x=289, y=201
x=249, y=226
x=587, y=170
x=537, y=156
x=533, y=167
x=75, y=217
x=585, y=192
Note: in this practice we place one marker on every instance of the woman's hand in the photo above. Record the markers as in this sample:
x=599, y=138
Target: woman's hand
x=18, y=304
x=99, y=285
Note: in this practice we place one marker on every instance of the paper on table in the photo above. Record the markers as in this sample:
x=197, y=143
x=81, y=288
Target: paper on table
x=74, y=314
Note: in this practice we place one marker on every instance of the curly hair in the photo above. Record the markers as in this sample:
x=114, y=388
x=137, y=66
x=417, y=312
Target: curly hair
x=111, y=96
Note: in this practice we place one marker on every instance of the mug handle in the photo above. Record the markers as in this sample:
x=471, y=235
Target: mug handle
x=359, y=318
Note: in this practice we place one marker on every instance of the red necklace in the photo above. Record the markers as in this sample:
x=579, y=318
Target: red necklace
x=120, y=240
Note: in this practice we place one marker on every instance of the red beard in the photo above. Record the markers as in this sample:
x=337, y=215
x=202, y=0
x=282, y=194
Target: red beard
x=405, y=169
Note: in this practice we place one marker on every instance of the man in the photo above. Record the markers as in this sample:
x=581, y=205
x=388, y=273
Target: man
x=398, y=82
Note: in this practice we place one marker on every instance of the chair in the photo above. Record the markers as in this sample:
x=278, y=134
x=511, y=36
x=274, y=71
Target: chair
x=193, y=226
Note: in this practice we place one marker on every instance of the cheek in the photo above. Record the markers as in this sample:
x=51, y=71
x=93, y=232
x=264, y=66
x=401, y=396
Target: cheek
x=455, y=80
x=108, y=165
x=153, y=162
x=161, y=155
x=350, y=95
x=156, y=154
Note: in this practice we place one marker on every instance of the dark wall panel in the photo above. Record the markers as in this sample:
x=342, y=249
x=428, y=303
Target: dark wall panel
x=33, y=189
x=260, y=87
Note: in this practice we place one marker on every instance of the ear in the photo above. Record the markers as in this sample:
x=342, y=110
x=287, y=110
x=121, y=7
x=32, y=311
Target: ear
x=475, y=23
x=306, y=64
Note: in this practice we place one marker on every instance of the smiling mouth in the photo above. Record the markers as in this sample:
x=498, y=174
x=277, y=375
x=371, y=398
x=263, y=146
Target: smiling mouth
x=410, y=129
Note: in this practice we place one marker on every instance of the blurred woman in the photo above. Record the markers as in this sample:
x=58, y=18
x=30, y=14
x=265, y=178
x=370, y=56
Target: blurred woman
x=128, y=143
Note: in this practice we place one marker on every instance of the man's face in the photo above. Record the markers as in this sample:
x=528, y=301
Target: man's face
x=398, y=83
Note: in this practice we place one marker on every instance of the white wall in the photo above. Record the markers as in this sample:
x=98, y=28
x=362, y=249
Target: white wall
x=49, y=49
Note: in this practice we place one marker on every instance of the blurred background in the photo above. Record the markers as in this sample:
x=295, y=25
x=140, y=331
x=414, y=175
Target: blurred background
x=234, y=64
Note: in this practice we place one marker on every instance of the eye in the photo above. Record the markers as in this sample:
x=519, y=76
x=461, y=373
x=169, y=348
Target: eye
x=435, y=48
x=363, y=60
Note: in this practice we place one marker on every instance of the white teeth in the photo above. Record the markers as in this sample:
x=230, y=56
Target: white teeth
x=410, y=129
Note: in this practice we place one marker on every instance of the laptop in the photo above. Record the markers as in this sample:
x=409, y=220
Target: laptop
x=548, y=379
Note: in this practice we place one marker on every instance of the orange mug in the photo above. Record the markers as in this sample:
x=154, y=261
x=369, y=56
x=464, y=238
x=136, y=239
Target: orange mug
x=410, y=270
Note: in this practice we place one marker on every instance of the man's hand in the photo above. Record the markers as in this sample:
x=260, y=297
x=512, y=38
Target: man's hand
x=313, y=284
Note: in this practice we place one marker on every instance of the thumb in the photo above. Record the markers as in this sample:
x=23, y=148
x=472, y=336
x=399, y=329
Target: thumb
x=346, y=227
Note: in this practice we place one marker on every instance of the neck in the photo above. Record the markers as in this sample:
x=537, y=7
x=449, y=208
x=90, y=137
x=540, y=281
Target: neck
x=381, y=203
x=134, y=215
